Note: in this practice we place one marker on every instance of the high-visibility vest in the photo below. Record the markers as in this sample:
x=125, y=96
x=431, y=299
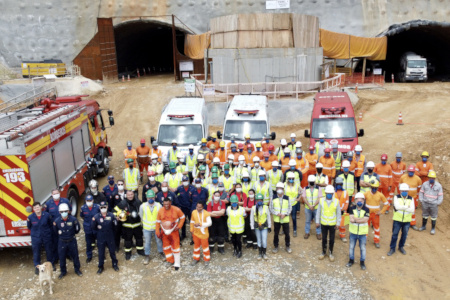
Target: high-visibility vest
x=149, y=217
x=180, y=168
x=280, y=154
x=254, y=174
x=206, y=182
x=260, y=219
x=131, y=179
x=191, y=162
x=296, y=176
x=367, y=178
x=238, y=173
x=281, y=210
x=328, y=213
x=227, y=182
x=359, y=165
x=312, y=197
x=320, y=179
x=264, y=190
x=159, y=178
x=235, y=220
x=173, y=155
x=274, y=178
x=292, y=192
x=349, y=183
x=338, y=160
x=211, y=190
x=403, y=216
x=359, y=228
x=317, y=145
x=246, y=188
x=174, y=181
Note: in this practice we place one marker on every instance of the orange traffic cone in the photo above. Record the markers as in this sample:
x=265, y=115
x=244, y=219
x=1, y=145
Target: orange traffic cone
x=360, y=118
x=400, y=120
x=123, y=78
x=356, y=88
x=129, y=77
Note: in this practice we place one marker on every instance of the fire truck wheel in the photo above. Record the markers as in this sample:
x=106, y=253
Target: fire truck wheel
x=103, y=157
x=72, y=195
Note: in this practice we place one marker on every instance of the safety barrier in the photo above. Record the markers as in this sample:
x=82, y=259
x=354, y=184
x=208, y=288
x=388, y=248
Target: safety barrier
x=15, y=73
x=356, y=78
x=223, y=91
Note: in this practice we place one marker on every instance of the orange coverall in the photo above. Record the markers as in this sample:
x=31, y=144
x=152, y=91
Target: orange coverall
x=385, y=174
x=221, y=154
x=130, y=154
x=216, y=143
x=312, y=160
x=266, y=165
x=398, y=169
x=260, y=154
x=342, y=196
x=422, y=170
x=200, y=238
x=373, y=204
x=143, y=158
x=171, y=242
x=265, y=146
x=415, y=184
x=303, y=166
x=329, y=167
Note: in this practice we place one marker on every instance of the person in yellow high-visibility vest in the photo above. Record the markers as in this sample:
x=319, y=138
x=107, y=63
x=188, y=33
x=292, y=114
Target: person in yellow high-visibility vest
x=148, y=212
x=173, y=178
x=131, y=177
x=236, y=224
x=281, y=208
x=293, y=190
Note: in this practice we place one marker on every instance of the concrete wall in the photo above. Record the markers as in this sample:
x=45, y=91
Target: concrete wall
x=45, y=29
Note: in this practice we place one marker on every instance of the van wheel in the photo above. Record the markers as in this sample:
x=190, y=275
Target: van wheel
x=72, y=195
x=103, y=157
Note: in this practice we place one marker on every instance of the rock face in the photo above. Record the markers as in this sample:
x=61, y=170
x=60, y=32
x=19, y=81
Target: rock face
x=38, y=29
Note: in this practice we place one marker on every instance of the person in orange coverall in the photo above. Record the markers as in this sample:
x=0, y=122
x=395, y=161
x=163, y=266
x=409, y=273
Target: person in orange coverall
x=398, y=169
x=168, y=221
x=373, y=200
x=384, y=171
x=423, y=167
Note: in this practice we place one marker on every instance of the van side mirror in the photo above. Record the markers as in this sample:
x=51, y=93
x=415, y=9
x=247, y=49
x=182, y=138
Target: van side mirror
x=361, y=132
x=307, y=135
x=152, y=139
x=273, y=136
x=219, y=134
x=111, y=122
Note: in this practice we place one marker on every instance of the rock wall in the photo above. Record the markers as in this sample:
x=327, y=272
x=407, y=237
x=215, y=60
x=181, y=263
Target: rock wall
x=45, y=29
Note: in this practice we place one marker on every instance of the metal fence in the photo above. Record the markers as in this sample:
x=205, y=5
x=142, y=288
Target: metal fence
x=28, y=98
x=223, y=91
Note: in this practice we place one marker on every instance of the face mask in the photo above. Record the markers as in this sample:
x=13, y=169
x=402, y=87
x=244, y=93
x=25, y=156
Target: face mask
x=404, y=194
x=339, y=187
x=129, y=147
x=359, y=203
x=258, y=149
x=89, y=203
x=287, y=154
x=398, y=160
x=262, y=178
x=280, y=192
x=329, y=196
x=327, y=155
x=270, y=152
x=267, y=141
x=383, y=162
x=212, y=151
x=424, y=159
x=319, y=170
x=64, y=214
x=370, y=170
x=234, y=204
x=239, y=190
x=56, y=197
x=245, y=179
x=155, y=148
x=411, y=174
x=191, y=151
x=249, y=151
x=164, y=189
x=350, y=159
x=151, y=178
x=203, y=145
x=120, y=187
x=291, y=180
x=198, y=185
x=130, y=166
x=173, y=171
x=142, y=145
x=233, y=150
x=260, y=203
x=241, y=162
x=221, y=189
x=274, y=169
x=227, y=172
x=241, y=150
x=151, y=201
x=299, y=156
x=174, y=147
x=292, y=168
x=202, y=173
x=266, y=159
x=256, y=165
x=185, y=183
x=322, y=140
x=247, y=141
x=251, y=196
x=216, y=198
x=214, y=140
x=230, y=161
x=358, y=152
x=432, y=181
x=311, y=151
x=311, y=184
x=334, y=150
x=154, y=161
x=111, y=182
x=215, y=181
x=374, y=191
x=103, y=210
x=346, y=170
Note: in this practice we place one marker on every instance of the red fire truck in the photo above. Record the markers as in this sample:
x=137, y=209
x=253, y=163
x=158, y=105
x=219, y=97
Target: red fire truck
x=50, y=143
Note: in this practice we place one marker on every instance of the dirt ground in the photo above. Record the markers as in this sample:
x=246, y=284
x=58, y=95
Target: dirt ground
x=423, y=272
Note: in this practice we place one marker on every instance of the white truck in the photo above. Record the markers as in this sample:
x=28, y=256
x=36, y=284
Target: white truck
x=185, y=120
x=413, y=67
x=247, y=114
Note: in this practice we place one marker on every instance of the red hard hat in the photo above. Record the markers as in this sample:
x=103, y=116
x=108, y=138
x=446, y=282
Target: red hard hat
x=271, y=147
x=142, y=141
x=311, y=147
x=151, y=173
x=241, y=146
x=411, y=168
x=384, y=157
x=266, y=154
x=327, y=150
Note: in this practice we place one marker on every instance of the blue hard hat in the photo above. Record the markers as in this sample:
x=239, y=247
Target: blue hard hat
x=399, y=154
x=89, y=198
x=185, y=178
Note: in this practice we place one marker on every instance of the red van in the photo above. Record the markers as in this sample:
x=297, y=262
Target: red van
x=333, y=116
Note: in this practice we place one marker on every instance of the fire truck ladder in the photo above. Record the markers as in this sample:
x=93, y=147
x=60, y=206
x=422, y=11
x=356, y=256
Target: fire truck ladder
x=27, y=99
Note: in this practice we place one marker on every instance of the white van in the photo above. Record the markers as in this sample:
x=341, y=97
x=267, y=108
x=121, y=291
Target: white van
x=247, y=114
x=185, y=120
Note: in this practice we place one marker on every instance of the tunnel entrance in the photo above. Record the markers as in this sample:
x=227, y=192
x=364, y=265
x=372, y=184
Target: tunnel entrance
x=425, y=38
x=146, y=44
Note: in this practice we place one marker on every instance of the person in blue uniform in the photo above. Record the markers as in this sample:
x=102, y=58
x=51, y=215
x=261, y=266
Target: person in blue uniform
x=66, y=226
x=52, y=207
x=87, y=212
x=40, y=224
x=184, y=194
x=105, y=222
x=109, y=191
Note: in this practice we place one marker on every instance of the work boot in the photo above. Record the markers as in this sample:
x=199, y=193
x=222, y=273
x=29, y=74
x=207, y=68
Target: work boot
x=260, y=255
x=78, y=272
x=141, y=252
x=322, y=256
x=211, y=249
x=116, y=268
x=363, y=266
x=191, y=243
x=142, y=180
x=344, y=240
x=234, y=252
x=177, y=268
x=255, y=246
x=350, y=263
x=288, y=250
x=295, y=233
x=415, y=228
x=61, y=275
x=433, y=227
x=391, y=251
x=319, y=236
x=264, y=254
x=330, y=256
x=100, y=270
x=249, y=245
x=275, y=250
x=206, y=263
x=306, y=236
x=221, y=250
x=54, y=268
x=402, y=250
x=147, y=260
x=239, y=254
x=194, y=262
x=424, y=224
x=163, y=256
x=88, y=260
x=377, y=245
x=36, y=271
x=127, y=256
x=168, y=264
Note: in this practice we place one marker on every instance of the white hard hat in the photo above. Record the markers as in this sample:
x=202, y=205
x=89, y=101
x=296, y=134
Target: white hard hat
x=180, y=155
x=191, y=146
x=231, y=156
x=256, y=158
x=329, y=189
x=321, y=135
x=346, y=164
x=200, y=156
x=286, y=150
x=174, y=141
x=63, y=207
x=280, y=185
x=360, y=195
x=291, y=175
x=319, y=165
x=371, y=164
x=241, y=157
x=292, y=163
x=261, y=173
x=293, y=135
x=274, y=163
x=283, y=142
x=216, y=160
x=404, y=187
x=154, y=156
x=311, y=178
x=93, y=183
x=358, y=148
x=298, y=144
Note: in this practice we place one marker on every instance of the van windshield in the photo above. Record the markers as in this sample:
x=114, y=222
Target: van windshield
x=183, y=134
x=334, y=128
x=417, y=63
x=256, y=129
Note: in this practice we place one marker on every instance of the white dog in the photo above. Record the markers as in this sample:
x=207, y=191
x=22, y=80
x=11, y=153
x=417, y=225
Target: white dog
x=45, y=275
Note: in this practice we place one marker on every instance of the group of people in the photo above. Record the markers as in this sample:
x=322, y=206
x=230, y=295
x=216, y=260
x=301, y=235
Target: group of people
x=233, y=193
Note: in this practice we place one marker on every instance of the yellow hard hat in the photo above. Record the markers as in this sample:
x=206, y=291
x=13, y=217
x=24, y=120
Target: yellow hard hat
x=425, y=153
x=258, y=145
x=432, y=174
x=214, y=135
x=222, y=144
x=204, y=140
x=375, y=183
x=247, y=136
